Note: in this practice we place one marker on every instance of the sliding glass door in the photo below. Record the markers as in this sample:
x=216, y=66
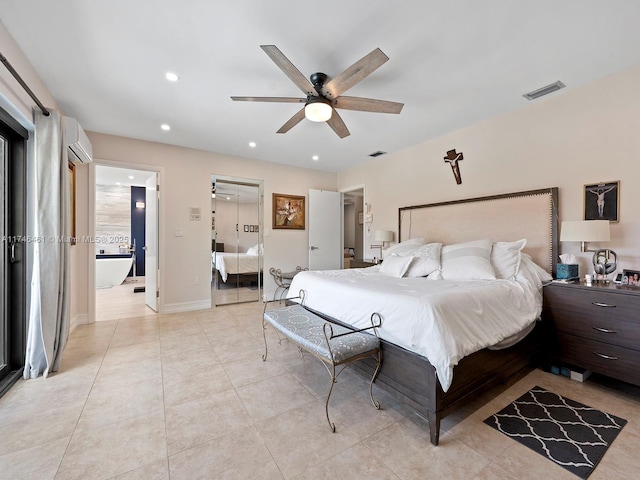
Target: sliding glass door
x=12, y=258
x=4, y=361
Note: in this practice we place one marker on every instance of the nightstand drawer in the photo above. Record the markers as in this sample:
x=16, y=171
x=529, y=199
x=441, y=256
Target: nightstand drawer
x=618, y=362
x=599, y=328
x=594, y=303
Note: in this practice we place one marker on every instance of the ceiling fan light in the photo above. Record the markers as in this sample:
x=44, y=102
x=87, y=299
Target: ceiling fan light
x=318, y=109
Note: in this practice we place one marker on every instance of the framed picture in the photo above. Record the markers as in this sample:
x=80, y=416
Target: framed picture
x=246, y=228
x=602, y=201
x=288, y=211
x=631, y=278
x=256, y=229
x=251, y=228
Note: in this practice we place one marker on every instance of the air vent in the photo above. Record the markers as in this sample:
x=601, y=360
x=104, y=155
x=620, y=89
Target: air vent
x=377, y=154
x=544, y=90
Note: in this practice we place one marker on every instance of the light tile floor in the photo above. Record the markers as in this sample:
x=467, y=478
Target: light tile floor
x=121, y=301
x=188, y=396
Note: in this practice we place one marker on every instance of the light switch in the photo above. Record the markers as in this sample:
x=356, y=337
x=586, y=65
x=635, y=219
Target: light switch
x=178, y=232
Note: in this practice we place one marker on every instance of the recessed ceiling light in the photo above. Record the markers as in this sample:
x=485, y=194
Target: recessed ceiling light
x=130, y=177
x=315, y=157
x=165, y=127
x=252, y=144
x=172, y=77
x=117, y=183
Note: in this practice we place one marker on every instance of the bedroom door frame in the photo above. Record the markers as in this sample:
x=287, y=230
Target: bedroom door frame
x=359, y=188
x=91, y=254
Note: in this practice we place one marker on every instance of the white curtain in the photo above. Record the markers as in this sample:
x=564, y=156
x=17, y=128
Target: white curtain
x=48, y=326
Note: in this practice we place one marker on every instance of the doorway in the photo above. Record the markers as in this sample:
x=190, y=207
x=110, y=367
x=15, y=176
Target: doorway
x=124, y=268
x=354, y=225
x=236, y=240
x=13, y=252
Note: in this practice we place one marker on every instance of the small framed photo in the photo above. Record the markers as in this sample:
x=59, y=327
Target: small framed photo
x=631, y=278
x=256, y=228
x=246, y=228
x=602, y=201
x=251, y=228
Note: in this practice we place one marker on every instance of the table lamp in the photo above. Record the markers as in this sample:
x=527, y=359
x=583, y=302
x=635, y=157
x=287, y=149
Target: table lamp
x=382, y=236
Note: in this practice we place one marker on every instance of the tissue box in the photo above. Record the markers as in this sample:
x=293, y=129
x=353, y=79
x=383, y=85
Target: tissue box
x=566, y=270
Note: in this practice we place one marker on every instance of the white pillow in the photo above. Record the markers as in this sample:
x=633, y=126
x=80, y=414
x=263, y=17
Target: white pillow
x=403, y=247
x=252, y=250
x=426, y=259
x=395, y=266
x=468, y=260
x=530, y=269
x=506, y=257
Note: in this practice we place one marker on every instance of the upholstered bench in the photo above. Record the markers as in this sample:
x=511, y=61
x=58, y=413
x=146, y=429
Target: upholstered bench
x=331, y=343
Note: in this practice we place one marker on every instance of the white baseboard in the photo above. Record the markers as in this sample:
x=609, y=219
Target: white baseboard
x=78, y=320
x=186, y=306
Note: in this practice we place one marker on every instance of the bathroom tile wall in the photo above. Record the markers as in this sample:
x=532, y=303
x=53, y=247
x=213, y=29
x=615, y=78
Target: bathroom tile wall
x=113, y=217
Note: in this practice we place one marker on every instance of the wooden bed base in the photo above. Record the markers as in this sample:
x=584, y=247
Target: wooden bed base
x=412, y=379
x=237, y=279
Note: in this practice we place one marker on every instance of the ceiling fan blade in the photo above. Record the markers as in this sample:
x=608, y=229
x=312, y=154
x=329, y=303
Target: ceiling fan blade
x=367, y=105
x=270, y=99
x=338, y=126
x=292, y=122
x=355, y=73
x=289, y=69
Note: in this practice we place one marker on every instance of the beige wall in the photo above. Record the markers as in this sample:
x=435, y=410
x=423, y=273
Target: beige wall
x=568, y=139
x=186, y=182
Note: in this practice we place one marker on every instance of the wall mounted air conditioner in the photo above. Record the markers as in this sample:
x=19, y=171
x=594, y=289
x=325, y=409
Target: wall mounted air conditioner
x=79, y=148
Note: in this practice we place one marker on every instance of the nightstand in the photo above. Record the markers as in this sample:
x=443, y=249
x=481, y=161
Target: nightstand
x=359, y=263
x=595, y=327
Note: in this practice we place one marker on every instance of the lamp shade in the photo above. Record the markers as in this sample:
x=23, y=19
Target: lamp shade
x=383, y=236
x=318, y=109
x=585, y=231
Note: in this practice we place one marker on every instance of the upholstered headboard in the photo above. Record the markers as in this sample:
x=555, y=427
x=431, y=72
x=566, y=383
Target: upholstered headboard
x=532, y=215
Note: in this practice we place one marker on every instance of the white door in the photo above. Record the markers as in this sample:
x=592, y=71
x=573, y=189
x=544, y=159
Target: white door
x=151, y=243
x=325, y=230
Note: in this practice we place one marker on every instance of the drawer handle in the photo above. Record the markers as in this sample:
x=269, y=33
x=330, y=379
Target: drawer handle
x=604, y=305
x=604, y=330
x=607, y=357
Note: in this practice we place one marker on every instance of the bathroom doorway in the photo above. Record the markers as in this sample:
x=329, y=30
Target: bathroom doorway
x=122, y=265
x=354, y=224
x=237, y=251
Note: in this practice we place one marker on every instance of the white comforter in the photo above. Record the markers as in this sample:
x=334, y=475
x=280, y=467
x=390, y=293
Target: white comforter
x=230, y=263
x=442, y=320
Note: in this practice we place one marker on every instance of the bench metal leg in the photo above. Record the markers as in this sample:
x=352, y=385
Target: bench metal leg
x=373, y=378
x=264, y=335
x=332, y=372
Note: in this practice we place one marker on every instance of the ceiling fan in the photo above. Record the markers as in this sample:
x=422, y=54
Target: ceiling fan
x=324, y=95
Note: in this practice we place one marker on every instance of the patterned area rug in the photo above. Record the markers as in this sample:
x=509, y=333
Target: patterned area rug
x=569, y=433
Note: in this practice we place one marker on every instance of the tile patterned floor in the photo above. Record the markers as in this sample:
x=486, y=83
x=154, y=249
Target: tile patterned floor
x=187, y=396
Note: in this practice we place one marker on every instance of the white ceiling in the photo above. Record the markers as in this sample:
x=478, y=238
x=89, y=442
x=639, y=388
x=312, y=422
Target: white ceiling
x=452, y=64
x=121, y=176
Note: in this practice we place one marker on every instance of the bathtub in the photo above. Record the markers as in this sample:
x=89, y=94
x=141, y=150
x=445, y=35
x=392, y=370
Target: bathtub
x=112, y=269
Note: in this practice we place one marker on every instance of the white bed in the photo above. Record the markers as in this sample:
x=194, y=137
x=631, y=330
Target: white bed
x=442, y=320
x=234, y=264
x=439, y=354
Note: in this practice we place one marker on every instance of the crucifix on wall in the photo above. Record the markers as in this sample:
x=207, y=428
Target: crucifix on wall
x=452, y=158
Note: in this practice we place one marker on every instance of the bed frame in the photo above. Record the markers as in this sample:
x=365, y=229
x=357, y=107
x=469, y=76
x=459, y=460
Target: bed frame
x=410, y=377
x=238, y=279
